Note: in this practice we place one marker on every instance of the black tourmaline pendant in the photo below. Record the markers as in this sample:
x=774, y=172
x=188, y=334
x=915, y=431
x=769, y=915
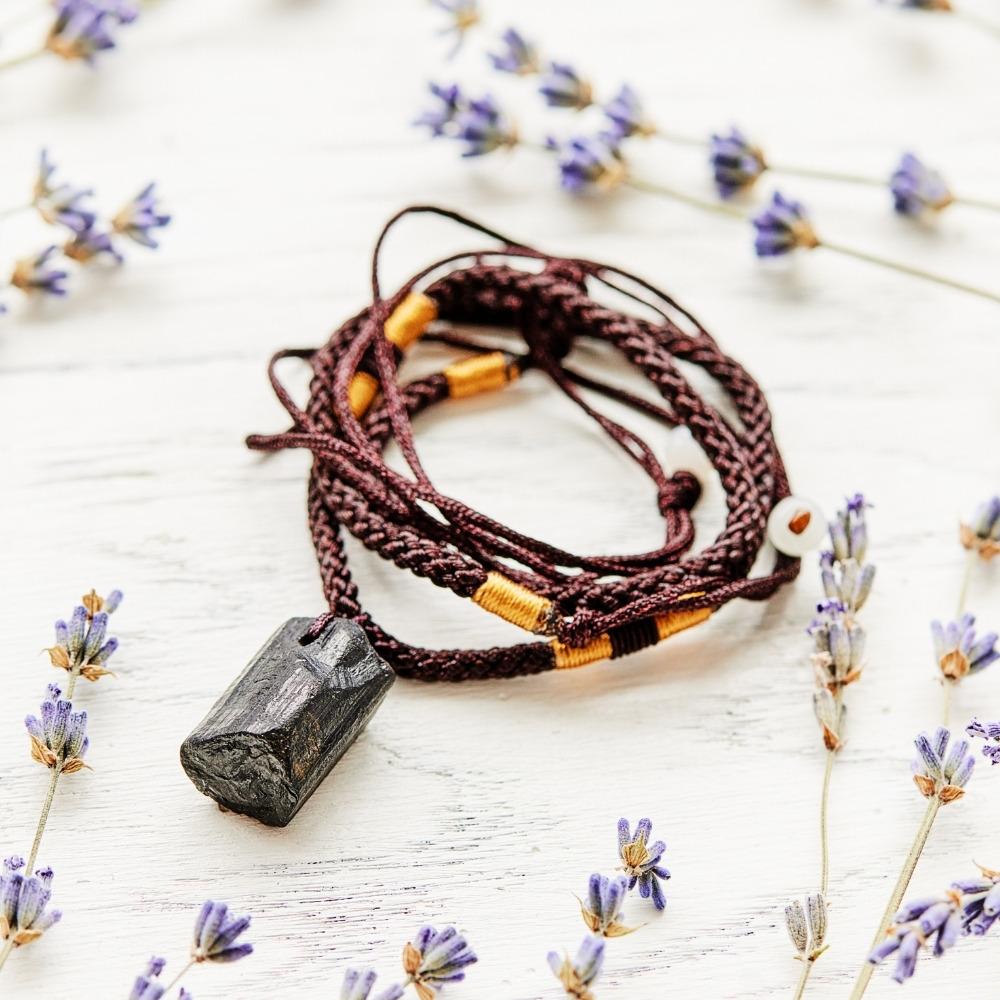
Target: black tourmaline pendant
x=286, y=720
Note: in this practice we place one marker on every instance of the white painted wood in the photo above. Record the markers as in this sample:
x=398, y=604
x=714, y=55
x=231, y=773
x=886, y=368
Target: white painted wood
x=279, y=132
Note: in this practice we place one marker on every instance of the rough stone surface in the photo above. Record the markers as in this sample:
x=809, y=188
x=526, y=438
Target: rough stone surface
x=286, y=720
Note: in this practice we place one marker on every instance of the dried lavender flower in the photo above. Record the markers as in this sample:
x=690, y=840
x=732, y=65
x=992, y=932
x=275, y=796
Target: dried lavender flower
x=436, y=957
x=839, y=646
x=807, y=926
x=34, y=275
x=81, y=644
x=517, y=55
x=59, y=738
x=81, y=30
x=940, y=772
x=847, y=582
x=60, y=203
x=478, y=122
x=641, y=860
x=916, y=189
x=89, y=244
x=959, y=651
x=146, y=986
x=450, y=100
x=783, y=227
x=140, y=216
x=736, y=162
x=462, y=16
x=562, y=87
x=627, y=115
x=358, y=985
x=23, y=903
x=930, y=921
x=849, y=530
x=589, y=163
x=215, y=934
x=831, y=717
x=938, y=5
x=602, y=912
x=989, y=731
x=982, y=533
x=577, y=975
x=980, y=901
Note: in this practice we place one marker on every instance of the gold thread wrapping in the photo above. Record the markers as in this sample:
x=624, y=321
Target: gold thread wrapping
x=482, y=373
x=567, y=657
x=408, y=321
x=677, y=621
x=513, y=602
x=361, y=391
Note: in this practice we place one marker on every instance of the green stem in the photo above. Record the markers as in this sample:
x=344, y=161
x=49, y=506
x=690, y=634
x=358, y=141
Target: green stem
x=963, y=590
x=946, y=712
x=824, y=832
x=678, y=139
x=5, y=952
x=915, y=272
x=44, y=818
x=800, y=988
x=21, y=59
x=819, y=173
x=909, y=865
x=707, y=205
x=173, y=982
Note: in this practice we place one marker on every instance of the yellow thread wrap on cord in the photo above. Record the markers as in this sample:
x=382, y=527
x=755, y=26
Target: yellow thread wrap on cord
x=406, y=323
x=601, y=648
x=482, y=373
x=567, y=657
x=513, y=602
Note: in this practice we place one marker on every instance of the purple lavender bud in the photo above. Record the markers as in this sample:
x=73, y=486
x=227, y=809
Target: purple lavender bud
x=563, y=88
x=917, y=190
x=139, y=217
x=59, y=736
x=146, y=987
x=985, y=523
x=930, y=921
x=577, y=975
x=938, y=773
x=81, y=30
x=359, y=984
x=33, y=274
x=958, y=649
x=590, y=163
x=517, y=55
x=482, y=127
x=736, y=162
x=602, y=911
x=627, y=115
x=783, y=227
x=215, y=935
x=462, y=16
x=90, y=244
x=641, y=860
x=24, y=903
x=60, y=203
x=437, y=957
x=935, y=5
x=113, y=601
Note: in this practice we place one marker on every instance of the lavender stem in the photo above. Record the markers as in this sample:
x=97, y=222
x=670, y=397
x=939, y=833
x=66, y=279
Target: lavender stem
x=5, y=952
x=173, y=982
x=43, y=818
x=896, y=899
x=800, y=988
x=990, y=27
x=915, y=272
x=719, y=207
x=963, y=591
x=824, y=832
x=21, y=59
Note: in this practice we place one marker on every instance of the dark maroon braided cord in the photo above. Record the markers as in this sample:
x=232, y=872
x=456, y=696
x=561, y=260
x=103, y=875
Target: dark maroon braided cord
x=351, y=487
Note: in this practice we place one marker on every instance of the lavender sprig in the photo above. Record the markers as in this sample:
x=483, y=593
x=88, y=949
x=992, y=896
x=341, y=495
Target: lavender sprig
x=358, y=985
x=990, y=732
x=61, y=203
x=24, y=916
x=960, y=651
x=215, y=940
x=602, y=912
x=517, y=55
x=981, y=534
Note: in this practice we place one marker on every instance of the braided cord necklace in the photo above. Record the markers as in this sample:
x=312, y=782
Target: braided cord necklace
x=584, y=608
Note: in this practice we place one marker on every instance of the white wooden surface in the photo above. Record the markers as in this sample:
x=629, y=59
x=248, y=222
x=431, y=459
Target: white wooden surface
x=279, y=132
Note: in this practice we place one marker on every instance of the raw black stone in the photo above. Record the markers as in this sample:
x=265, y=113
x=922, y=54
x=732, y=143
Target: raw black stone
x=286, y=720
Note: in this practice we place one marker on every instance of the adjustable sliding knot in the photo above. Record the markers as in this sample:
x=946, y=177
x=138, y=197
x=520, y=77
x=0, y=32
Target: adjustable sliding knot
x=682, y=493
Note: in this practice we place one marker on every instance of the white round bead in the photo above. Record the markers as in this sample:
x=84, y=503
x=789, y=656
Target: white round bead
x=795, y=526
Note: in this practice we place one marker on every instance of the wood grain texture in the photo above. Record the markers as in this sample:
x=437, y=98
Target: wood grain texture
x=279, y=132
